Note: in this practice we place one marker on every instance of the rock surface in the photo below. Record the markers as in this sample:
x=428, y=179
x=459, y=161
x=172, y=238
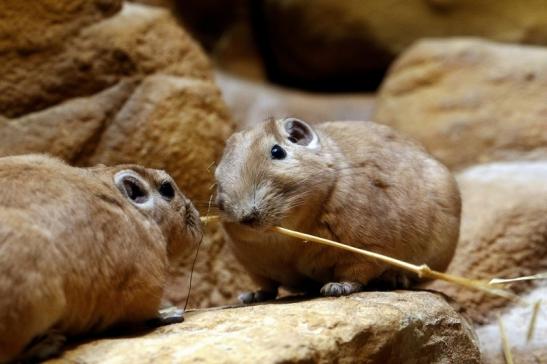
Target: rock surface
x=128, y=87
x=503, y=231
x=469, y=101
x=517, y=322
x=389, y=327
x=334, y=44
x=218, y=278
x=32, y=25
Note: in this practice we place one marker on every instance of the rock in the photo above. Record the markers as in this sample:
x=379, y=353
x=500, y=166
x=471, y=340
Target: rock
x=130, y=88
x=27, y=26
x=218, y=278
x=252, y=102
x=389, y=327
x=348, y=44
x=485, y=96
x=110, y=87
x=503, y=231
x=516, y=322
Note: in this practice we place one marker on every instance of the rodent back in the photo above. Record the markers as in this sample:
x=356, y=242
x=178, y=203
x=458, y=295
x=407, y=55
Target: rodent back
x=392, y=182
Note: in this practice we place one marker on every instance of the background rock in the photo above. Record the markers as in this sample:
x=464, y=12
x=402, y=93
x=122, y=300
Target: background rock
x=469, y=101
x=218, y=278
x=503, y=231
x=372, y=327
x=347, y=45
x=27, y=26
x=130, y=88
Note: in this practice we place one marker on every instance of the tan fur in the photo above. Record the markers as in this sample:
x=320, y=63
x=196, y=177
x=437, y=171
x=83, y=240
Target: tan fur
x=75, y=254
x=366, y=186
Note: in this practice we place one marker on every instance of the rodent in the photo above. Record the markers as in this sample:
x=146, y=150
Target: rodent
x=356, y=182
x=83, y=249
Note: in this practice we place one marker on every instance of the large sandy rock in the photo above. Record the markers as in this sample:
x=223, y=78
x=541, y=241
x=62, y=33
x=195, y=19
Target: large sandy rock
x=349, y=43
x=469, y=101
x=503, y=231
x=132, y=87
x=31, y=25
x=394, y=327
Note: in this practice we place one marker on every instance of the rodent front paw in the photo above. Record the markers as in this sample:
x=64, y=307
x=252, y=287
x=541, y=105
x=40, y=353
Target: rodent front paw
x=337, y=289
x=44, y=347
x=258, y=296
x=168, y=316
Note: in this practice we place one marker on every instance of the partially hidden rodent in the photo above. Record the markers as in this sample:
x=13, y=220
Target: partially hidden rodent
x=82, y=249
x=356, y=182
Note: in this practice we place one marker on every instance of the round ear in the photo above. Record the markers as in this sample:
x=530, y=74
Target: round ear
x=299, y=132
x=132, y=186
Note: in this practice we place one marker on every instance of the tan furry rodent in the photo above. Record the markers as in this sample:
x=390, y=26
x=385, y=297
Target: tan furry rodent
x=82, y=249
x=356, y=182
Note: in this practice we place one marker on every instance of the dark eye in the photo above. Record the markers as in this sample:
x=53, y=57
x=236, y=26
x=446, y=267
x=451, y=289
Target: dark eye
x=166, y=190
x=278, y=152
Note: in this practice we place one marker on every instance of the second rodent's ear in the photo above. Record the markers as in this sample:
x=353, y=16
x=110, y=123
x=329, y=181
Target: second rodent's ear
x=133, y=186
x=299, y=132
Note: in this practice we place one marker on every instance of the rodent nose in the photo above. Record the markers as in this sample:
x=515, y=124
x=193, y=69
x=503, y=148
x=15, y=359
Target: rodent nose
x=250, y=219
x=220, y=203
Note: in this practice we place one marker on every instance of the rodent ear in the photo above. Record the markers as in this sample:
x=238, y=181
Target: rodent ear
x=298, y=132
x=133, y=186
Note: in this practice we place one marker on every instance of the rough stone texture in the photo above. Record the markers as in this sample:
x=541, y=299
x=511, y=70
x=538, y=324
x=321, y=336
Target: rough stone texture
x=218, y=278
x=91, y=86
x=31, y=25
x=503, y=231
x=130, y=88
x=349, y=43
x=469, y=101
x=252, y=102
x=390, y=327
x=516, y=322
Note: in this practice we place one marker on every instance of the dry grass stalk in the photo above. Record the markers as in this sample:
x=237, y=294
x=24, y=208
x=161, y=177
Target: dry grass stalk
x=208, y=219
x=533, y=319
x=423, y=271
x=518, y=279
x=505, y=343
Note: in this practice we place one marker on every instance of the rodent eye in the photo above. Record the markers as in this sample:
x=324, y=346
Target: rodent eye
x=166, y=190
x=278, y=152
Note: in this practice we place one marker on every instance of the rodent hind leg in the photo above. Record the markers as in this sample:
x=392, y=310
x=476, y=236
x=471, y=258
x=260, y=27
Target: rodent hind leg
x=268, y=290
x=43, y=347
x=396, y=279
x=350, y=276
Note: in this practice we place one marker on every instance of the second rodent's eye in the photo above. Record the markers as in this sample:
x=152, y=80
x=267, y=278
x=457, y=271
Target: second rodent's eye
x=166, y=190
x=278, y=152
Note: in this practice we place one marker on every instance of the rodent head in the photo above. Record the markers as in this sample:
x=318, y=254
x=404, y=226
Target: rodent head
x=271, y=171
x=154, y=193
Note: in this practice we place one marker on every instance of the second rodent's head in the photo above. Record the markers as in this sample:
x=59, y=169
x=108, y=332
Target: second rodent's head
x=271, y=170
x=154, y=194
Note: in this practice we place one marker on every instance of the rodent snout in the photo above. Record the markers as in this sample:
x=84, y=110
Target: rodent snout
x=251, y=218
